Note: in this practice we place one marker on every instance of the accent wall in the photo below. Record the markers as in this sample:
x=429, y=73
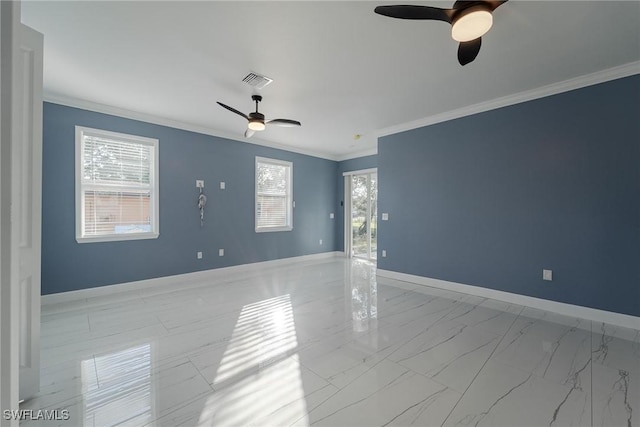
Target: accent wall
x=184, y=157
x=494, y=198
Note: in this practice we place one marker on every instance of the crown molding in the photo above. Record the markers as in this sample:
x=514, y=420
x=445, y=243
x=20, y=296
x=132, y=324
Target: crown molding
x=176, y=124
x=356, y=154
x=603, y=76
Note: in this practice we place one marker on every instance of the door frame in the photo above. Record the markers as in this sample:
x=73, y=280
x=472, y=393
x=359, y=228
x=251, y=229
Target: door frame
x=10, y=130
x=348, y=232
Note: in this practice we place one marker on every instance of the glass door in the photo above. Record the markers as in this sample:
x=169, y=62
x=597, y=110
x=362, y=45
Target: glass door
x=363, y=215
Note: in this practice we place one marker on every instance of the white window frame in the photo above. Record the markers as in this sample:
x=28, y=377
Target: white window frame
x=155, y=174
x=289, y=215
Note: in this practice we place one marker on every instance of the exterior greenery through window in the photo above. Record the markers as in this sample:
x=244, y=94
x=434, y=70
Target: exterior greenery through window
x=273, y=195
x=116, y=186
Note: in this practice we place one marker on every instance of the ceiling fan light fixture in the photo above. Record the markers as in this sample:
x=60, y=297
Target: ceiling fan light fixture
x=257, y=125
x=471, y=24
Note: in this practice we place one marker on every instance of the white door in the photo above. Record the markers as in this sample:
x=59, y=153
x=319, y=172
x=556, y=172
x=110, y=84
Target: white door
x=20, y=208
x=27, y=200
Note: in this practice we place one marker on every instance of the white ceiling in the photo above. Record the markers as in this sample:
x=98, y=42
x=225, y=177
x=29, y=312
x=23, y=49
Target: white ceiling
x=337, y=67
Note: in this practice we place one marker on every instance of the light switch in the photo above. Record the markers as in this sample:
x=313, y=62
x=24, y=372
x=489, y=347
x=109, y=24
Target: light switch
x=222, y=185
x=331, y=215
x=385, y=217
x=547, y=275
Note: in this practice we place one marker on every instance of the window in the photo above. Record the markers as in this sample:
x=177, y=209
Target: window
x=116, y=186
x=273, y=195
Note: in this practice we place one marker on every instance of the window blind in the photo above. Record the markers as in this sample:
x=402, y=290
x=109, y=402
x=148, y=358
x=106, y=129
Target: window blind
x=273, y=195
x=117, y=184
x=119, y=162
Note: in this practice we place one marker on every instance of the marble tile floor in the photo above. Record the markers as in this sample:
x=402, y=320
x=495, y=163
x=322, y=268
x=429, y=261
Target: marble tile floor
x=326, y=343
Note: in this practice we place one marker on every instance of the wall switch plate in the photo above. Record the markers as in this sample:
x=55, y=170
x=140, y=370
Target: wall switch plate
x=199, y=255
x=384, y=253
x=547, y=275
x=331, y=216
x=385, y=217
x=294, y=203
x=321, y=241
x=220, y=252
x=199, y=183
x=222, y=185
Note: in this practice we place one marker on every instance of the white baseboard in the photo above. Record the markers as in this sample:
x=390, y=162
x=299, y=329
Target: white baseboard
x=186, y=278
x=593, y=314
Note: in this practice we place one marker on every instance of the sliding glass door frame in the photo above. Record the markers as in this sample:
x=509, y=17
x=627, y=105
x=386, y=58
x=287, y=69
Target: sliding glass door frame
x=348, y=209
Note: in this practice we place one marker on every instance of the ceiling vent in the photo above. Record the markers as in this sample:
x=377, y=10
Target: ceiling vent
x=256, y=80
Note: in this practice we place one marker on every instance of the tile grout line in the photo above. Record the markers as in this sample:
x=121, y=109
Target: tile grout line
x=200, y=373
x=483, y=365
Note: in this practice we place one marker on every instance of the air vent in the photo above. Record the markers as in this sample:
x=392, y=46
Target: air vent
x=256, y=80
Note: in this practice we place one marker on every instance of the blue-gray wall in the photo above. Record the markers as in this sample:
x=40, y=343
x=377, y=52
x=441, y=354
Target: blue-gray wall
x=494, y=198
x=184, y=157
x=355, y=164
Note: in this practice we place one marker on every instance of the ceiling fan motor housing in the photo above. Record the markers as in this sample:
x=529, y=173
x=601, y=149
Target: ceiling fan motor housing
x=256, y=121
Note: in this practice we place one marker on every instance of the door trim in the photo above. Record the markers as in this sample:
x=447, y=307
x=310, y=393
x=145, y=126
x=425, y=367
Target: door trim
x=10, y=130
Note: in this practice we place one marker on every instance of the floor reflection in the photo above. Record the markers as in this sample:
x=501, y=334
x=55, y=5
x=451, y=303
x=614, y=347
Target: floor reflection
x=364, y=294
x=123, y=393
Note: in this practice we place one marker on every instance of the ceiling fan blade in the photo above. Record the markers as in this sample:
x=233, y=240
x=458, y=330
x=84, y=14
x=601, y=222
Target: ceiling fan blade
x=467, y=51
x=283, y=122
x=249, y=133
x=415, y=12
x=233, y=110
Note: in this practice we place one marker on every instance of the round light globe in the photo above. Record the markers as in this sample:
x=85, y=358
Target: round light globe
x=471, y=25
x=256, y=125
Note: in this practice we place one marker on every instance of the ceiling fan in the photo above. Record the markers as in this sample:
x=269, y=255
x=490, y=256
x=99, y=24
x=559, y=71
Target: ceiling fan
x=256, y=121
x=469, y=20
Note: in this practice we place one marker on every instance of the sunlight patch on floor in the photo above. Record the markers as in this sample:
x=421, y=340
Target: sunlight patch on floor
x=260, y=370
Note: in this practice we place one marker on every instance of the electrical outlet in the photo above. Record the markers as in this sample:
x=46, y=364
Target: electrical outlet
x=320, y=241
x=547, y=275
x=222, y=185
x=220, y=252
x=199, y=255
x=331, y=215
x=385, y=217
x=199, y=183
x=384, y=253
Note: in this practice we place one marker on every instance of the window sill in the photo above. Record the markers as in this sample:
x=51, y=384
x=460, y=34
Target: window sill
x=117, y=237
x=272, y=229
